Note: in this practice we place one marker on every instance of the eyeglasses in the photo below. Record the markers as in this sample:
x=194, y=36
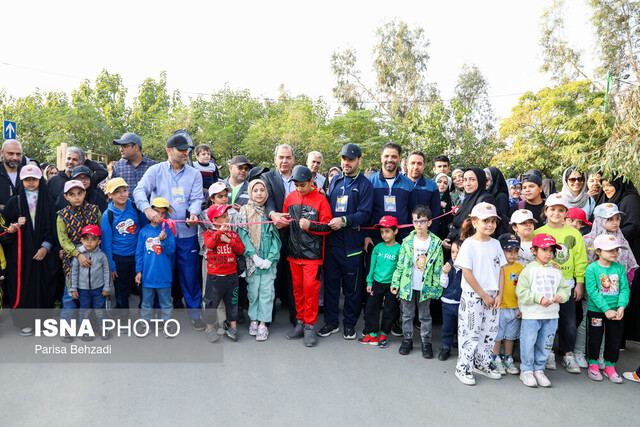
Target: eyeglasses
x=517, y=187
x=420, y=221
x=572, y=180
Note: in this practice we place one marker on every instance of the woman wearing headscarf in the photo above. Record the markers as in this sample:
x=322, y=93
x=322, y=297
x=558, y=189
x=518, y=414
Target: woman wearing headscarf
x=457, y=192
x=625, y=196
x=442, y=181
x=574, y=187
x=515, y=191
x=499, y=190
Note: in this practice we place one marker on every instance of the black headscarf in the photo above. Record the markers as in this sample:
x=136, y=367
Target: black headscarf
x=549, y=187
x=480, y=195
x=623, y=189
x=499, y=190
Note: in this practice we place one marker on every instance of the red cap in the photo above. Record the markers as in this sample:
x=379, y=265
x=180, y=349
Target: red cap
x=94, y=230
x=216, y=210
x=545, y=240
x=387, y=221
x=577, y=213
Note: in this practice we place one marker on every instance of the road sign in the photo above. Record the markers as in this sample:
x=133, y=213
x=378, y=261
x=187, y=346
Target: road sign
x=9, y=129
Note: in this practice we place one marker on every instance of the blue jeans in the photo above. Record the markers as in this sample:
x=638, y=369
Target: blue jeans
x=91, y=299
x=449, y=323
x=148, y=298
x=536, y=342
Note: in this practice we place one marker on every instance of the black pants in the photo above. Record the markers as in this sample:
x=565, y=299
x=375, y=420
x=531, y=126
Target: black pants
x=613, y=330
x=381, y=297
x=567, y=328
x=221, y=288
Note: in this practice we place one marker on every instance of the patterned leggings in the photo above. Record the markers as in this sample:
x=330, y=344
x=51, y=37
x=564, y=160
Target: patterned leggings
x=477, y=330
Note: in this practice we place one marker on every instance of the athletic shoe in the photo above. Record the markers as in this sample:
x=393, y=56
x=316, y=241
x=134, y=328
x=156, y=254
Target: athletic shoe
x=327, y=330
x=581, y=360
x=551, y=362
x=383, y=342
x=222, y=329
x=212, y=335
x=465, y=378
x=253, y=328
x=310, y=339
x=349, y=333
x=405, y=347
x=613, y=376
x=497, y=361
x=569, y=363
x=369, y=339
x=198, y=325
x=297, y=332
x=66, y=338
x=541, y=379
x=26, y=332
x=105, y=335
x=170, y=329
x=263, y=333
x=489, y=372
x=631, y=376
x=86, y=338
x=594, y=373
x=528, y=379
x=510, y=365
x=396, y=330
x=444, y=354
x=141, y=329
x=233, y=333
x=427, y=350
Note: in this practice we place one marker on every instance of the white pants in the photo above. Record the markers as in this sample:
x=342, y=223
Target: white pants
x=477, y=330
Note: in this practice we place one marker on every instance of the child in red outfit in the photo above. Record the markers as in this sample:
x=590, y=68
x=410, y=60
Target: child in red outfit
x=223, y=246
x=310, y=213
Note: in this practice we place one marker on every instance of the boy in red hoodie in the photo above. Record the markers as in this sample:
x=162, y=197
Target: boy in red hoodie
x=310, y=214
x=223, y=246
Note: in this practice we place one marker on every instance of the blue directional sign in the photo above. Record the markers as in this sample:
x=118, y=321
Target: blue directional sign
x=9, y=129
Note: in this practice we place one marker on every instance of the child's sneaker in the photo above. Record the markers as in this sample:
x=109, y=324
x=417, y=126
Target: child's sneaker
x=510, y=366
x=66, y=338
x=487, y=371
x=310, y=339
x=141, y=329
x=221, y=329
x=541, y=379
x=369, y=339
x=232, y=333
x=212, y=335
x=528, y=379
x=383, y=341
x=581, y=361
x=631, y=376
x=253, y=328
x=551, y=362
x=497, y=360
x=610, y=372
x=465, y=377
x=170, y=330
x=105, y=335
x=444, y=354
x=594, y=373
x=263, y=333
x=569, y=363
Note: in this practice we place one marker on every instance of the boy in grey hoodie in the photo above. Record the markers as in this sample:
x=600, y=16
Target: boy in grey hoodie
x=91, y=283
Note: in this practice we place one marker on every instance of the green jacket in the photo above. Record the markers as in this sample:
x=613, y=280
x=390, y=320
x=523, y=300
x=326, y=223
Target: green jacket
x=269, y=247
x=402, y=277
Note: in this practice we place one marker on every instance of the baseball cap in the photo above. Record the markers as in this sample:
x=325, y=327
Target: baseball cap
x=73, y=183
x=179, y=141
x=30, y=171
x=522, y=215
x=240, y=160
x=484, y=210
x=605, y=210
x=80, y=170
x=256, y=172
x=93, y=230
x=532, y=178
x=577, y=213
x=544, y=240
x=128, y=138
x=351, y=151
x=557, y=199
x=387, y=221
x=216, y=210
x=607, y=242
x=115, y=183
x=161, y=202
x=217, y=187
x=509, y=241
x=301, y=173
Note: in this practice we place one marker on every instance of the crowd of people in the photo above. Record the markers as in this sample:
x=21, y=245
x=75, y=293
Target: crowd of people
x=502, y=261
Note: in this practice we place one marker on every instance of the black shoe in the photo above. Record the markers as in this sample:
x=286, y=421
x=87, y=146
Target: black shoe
x=86, y=338
x=384, y=342
x=198, y=324
x=444, y=354
x=405, y=347
x=327, y=330
x=427, y=350
x=396, y=330
x=349, y=333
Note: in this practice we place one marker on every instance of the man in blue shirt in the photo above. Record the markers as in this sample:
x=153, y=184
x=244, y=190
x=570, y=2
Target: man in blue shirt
x=133, y=165
x=181, y=185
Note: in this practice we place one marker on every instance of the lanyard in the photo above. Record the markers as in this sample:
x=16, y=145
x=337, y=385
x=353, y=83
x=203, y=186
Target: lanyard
x=346, y=187
x=177, y=175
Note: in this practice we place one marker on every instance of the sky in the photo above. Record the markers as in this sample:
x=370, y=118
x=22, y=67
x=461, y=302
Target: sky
x=259, y=45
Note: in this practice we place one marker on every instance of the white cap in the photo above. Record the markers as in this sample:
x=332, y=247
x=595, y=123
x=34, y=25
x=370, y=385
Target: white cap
x=607, y=242
x=484, y=210
x=557, y=199
x=217, y=187
x=605, y=210
x=522, y=215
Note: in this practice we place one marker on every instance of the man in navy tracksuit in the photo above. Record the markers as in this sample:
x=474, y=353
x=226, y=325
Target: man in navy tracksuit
x=426, y=190
x=351, y=198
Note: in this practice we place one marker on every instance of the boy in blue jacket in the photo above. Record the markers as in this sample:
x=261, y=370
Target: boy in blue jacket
x=120, y=226
x=154, y=267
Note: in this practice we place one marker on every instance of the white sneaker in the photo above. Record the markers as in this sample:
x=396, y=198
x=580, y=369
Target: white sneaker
x=465, y=378
x=489, y=372
x=253, y=328
x=551, y=362
x=541, y=379
x=581, y=360
x=510, y=366
x=528, y=379
x=497, y=360
x=263, y=333
x=569, y=363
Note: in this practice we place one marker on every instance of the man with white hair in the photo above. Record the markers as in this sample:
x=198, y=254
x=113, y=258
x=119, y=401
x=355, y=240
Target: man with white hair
x=76, y=157
x=314, y=162
x=12, y=162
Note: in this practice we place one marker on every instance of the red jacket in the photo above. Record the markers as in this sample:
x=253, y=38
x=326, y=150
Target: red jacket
x=307, y=246
x=222, y=257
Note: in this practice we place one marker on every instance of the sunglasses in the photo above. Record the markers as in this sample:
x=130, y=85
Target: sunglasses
x=572, y=180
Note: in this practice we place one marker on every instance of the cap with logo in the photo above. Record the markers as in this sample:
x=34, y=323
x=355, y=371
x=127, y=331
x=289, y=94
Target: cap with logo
x=577, y=213
x=217, y=210
x=607, y=242
x=557, y=199
x=30, y=171
x=128, y=138
x=114, y=184
x=93, y=230
x=301, y=173
x=351, y=151
x=387, y=221
x=484, y=210
x=217, y=187
x=607, y=210
x=161, y=202
x=509, y=241
x=522, y=215
x=544, y=240
x=73, y=183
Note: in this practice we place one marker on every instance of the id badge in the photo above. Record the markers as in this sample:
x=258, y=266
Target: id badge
x=341, y=205
x=390, y=203
x=177, y=193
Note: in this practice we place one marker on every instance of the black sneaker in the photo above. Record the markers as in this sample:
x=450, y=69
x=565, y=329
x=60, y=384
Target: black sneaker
x=444, y=354
x=396, y=330
x=427, y=350
x=349, y=333
x=405, y=347
x=105, y=335
x=198, y=324
x=86, y=338
x=383, y=341
x=327, y=330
